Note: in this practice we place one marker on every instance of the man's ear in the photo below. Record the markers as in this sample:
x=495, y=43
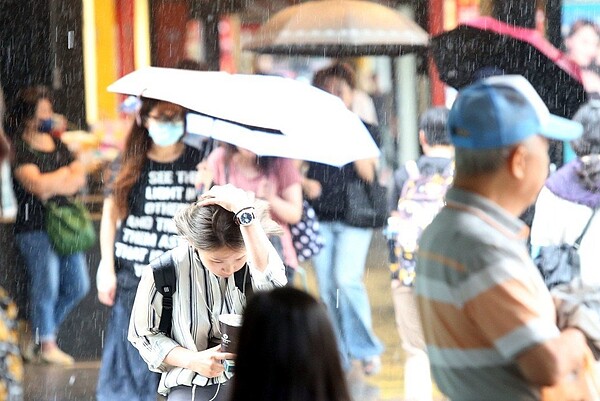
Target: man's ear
x=422, y=139
x=517, y=161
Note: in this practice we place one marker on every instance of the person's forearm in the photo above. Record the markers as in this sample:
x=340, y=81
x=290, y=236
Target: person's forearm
x=547, y=363
x=47, y=185
x=257, y=244
x=288, y=212
x=180, y=357
x=365, y=169
x=571, y=349
x=108, y=229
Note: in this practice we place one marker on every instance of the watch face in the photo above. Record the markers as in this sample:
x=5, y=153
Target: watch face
x=246, y=218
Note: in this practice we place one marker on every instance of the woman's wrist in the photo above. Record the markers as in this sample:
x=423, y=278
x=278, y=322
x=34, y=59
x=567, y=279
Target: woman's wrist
x=245, y=216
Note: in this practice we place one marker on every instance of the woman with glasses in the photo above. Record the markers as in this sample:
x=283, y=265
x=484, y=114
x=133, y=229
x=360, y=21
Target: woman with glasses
x=151, y=180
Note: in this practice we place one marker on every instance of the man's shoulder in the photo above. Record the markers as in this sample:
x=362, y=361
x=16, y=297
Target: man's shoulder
x=461, y=236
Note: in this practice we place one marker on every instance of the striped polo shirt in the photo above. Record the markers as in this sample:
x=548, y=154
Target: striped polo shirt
x=481, y=299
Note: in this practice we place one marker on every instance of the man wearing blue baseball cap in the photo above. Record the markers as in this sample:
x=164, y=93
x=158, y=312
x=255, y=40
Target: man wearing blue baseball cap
x=488, y=319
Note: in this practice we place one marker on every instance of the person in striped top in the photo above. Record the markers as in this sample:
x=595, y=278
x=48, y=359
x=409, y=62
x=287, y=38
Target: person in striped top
x=488, y=320
x=224, y=232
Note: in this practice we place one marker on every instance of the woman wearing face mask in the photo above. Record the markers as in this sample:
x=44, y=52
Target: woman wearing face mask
x=149, y=182
x=44, y=169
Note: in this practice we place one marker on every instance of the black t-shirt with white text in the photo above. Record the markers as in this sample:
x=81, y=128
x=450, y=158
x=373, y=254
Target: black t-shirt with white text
x=149, y=230
x=31, y=211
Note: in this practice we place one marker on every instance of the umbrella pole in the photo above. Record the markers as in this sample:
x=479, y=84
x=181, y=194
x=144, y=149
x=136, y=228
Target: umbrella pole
x=395, y=126
x=406, y=107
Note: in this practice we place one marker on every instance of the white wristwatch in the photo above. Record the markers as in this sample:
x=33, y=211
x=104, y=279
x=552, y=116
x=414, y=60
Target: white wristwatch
x=245, y=216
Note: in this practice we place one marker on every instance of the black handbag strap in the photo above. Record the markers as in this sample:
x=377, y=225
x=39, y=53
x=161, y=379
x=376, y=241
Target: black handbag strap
x=587, y=225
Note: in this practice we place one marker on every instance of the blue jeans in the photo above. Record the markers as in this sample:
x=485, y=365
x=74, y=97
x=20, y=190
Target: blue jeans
x=56, y=283
x=123, y=376
x=340, y=268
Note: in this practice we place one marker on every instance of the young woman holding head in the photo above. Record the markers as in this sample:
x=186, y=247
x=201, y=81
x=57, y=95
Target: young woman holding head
x=224, y=232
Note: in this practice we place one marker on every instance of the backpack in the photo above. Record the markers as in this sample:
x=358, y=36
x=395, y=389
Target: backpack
x=421, y=199
x=165, y=280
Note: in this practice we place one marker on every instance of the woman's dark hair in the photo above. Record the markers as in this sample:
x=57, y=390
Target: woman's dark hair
x=433, y=124
x=265, y=164
x=339, y=70
x=4, y=148
x=589, y=116
x=132, y=159
x=190, y=64
x=287, y=350
x=23, y=109
x=589, y=172
x=211, y=227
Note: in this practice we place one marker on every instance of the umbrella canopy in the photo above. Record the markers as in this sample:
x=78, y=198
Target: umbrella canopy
x=271, y=116
x=339, y=28
x=487, y=44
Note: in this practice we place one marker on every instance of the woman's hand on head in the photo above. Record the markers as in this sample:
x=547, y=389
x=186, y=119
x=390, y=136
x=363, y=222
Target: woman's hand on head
x=209, y=363
x=228, y=197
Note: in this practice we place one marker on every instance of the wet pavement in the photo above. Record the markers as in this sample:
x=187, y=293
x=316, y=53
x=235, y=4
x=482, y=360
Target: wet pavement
x=77, y=383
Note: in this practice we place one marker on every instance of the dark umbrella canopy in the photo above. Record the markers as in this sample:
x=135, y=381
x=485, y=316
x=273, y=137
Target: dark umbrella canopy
x=485, y=46
x=339, y=28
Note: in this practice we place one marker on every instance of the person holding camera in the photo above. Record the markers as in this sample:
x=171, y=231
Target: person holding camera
x=224, y=232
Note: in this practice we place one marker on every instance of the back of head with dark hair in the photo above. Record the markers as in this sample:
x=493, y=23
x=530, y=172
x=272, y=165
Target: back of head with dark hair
x=339, y=70
x=433, y=124
x=212, y=227
x=287, y=350
x=193, y=65
x=589, y=116
x=24, y=108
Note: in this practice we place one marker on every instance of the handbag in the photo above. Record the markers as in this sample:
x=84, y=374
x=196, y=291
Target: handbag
x=69, y=226
x=306, y=235
x=559, y=264
x=365, y=204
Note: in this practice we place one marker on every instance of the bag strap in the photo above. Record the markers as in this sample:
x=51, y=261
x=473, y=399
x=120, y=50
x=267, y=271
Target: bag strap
x=587, y=225
x=165, y=280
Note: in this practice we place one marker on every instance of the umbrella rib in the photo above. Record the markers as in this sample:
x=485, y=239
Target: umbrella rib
x=248, y=126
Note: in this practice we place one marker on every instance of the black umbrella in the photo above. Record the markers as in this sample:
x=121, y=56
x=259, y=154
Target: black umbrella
x=486, y=46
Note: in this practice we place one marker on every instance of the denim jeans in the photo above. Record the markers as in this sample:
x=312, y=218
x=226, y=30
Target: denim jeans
x=56, y=283
x=340, y=268
x=123, y=376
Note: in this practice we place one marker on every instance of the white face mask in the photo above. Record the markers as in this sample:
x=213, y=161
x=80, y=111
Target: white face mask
x=165, y=133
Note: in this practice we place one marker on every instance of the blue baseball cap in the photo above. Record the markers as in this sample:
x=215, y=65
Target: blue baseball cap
x=500, y=111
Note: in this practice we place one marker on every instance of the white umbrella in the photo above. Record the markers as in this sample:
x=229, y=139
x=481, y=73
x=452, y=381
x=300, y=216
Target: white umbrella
x=271, y=116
